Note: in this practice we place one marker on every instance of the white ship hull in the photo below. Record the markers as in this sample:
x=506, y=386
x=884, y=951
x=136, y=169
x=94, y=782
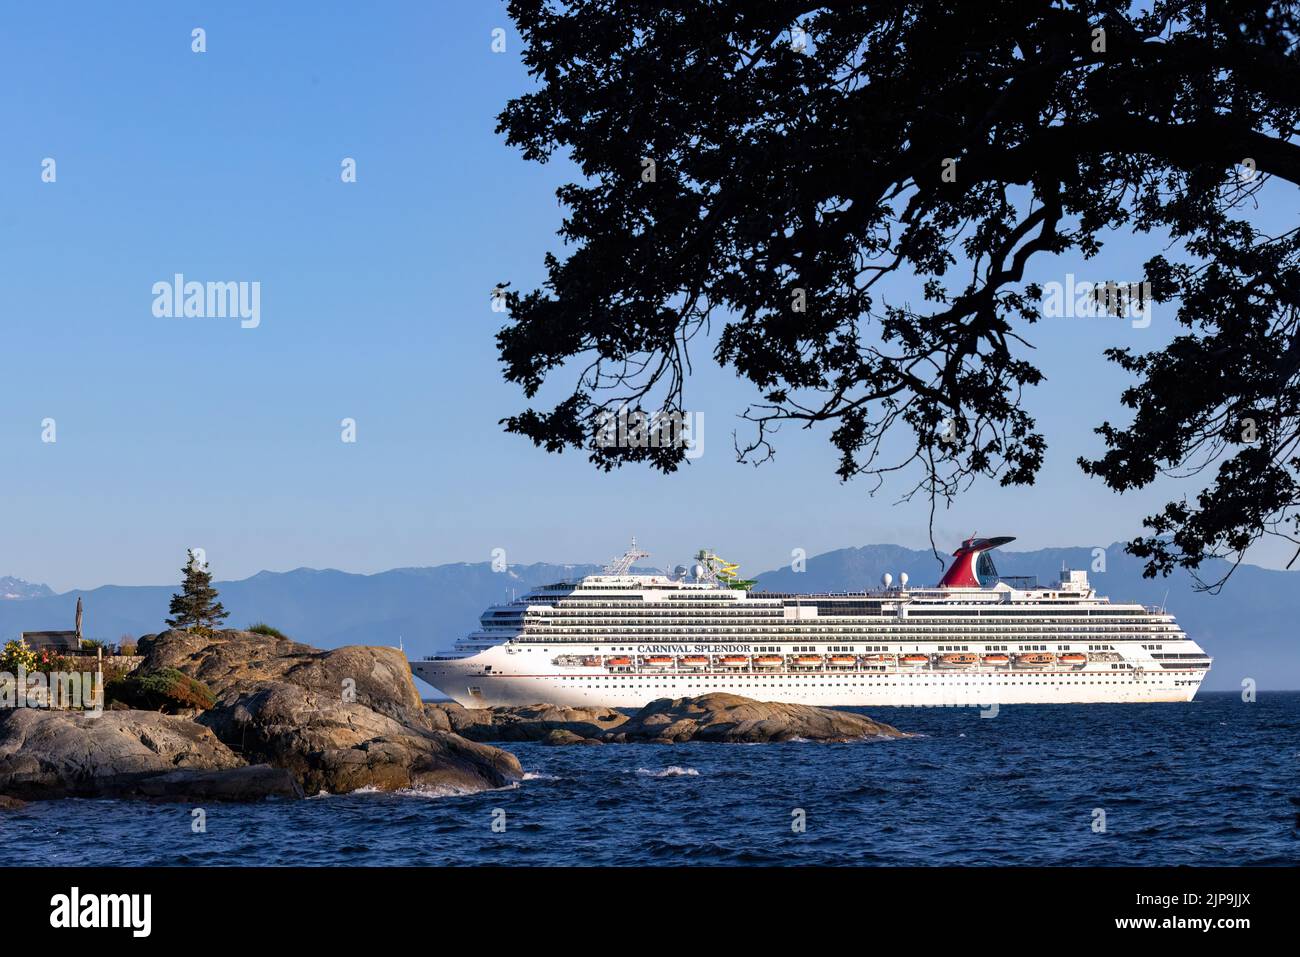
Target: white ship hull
x=506, y=684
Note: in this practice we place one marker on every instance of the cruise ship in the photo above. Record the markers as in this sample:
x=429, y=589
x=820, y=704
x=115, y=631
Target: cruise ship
x=622, y=639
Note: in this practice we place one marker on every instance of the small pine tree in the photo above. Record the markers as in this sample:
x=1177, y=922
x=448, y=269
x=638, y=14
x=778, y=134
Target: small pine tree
x=196, y=607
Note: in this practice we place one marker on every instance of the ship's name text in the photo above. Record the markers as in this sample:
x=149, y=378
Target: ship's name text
x=694, y=649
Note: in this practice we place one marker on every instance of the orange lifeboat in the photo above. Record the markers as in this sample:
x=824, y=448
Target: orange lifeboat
x=733, y=661
x=619, y=662
x=914, y=660
x=1074, y=658
x=1035, y=659
x=807, y=661
x=841, y=661
x=768, y=661
x=659, y=661
x=963, y=660
x=695, y=661
x=995, y=660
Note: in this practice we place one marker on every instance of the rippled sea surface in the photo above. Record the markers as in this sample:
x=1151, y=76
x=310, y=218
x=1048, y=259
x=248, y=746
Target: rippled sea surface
x=1209, y=782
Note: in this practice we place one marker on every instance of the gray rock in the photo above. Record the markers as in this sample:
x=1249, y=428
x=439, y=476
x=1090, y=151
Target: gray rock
x=336, y=746
x=730, y=718
x=308, y=720
x=244, y=661
x=252, y=782
x=559, y=736
x=46, y=754
x=336, y=720
x=714, y=717
x=527, y=723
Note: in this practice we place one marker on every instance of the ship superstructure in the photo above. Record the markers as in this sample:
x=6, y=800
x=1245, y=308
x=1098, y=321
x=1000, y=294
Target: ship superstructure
x=622, y=639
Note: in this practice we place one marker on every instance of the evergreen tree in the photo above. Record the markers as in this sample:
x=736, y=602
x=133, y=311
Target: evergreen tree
x=196, y=607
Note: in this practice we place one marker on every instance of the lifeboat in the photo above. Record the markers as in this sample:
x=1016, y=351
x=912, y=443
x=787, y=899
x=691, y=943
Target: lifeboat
x=841, y=661
x=658, y=661
x=1074, y=658
x=619, y=662
x=592, y=661
x=1034, y=659
x=995, y=661
x=695, y=661
x=807, y=661
x=963, y=660
x=914, y=660
x=877, y=659
x=733, y=661
x=768, y=661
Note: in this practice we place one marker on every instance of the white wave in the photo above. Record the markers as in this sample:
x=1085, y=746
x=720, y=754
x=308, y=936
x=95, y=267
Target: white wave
x=673, y=771
x=425, y=791
x=539, y=776
x=440, y=791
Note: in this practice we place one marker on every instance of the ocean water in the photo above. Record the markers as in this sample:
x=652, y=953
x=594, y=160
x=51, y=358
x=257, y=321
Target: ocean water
x=1205, y=783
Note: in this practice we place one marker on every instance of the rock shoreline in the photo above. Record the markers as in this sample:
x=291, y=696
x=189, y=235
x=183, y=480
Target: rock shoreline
x=718, y=717
x=289, y=720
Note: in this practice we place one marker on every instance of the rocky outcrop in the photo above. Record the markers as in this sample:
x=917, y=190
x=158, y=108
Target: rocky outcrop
x=334, y=745
x=529, y=723
x=252, y=782
x=48, y=754
x=560, y=736
x=287, y=720
x=731, y=718
x=337, y=720
x=243, y=661
x=713, y=717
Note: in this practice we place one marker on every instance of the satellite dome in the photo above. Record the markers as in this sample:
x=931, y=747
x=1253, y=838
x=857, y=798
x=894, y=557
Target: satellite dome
x=698, y=571
x=886, y=579
x=680, y=571
x=902, y=579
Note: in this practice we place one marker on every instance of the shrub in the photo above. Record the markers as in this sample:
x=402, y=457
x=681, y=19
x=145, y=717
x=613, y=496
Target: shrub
x=163, y=690
x=114, y=669
x=48, y=661
x=262, y=628
x=16, y=654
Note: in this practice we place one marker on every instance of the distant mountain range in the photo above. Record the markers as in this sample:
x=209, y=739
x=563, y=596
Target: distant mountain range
x=1250, y=628
x=15, y=589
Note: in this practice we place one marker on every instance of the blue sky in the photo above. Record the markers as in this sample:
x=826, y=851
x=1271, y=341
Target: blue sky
x=225, y=165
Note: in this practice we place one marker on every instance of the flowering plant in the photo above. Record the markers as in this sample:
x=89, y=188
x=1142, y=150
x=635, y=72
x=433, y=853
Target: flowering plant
x=17, y=655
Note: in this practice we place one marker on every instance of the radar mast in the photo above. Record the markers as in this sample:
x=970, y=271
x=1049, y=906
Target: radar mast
x=622, y=564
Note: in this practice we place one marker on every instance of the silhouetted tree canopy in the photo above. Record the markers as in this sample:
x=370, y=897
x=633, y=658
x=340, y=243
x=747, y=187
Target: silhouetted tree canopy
x=740, y=154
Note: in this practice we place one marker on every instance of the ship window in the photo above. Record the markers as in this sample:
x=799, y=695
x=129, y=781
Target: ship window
x=985, y=571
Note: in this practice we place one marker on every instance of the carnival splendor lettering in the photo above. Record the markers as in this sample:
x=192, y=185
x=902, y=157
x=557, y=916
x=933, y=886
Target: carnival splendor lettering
x=693, y=649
